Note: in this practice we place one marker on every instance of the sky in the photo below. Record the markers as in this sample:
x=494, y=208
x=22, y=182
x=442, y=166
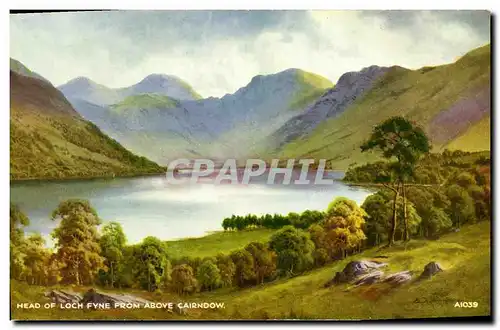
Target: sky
x=217, y=52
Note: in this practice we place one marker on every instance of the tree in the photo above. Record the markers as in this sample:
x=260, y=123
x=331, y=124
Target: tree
x=17, y=242
x=227, y=269
x=264, y=260
x=112, y=243
x=77, y=241
x=293, y=248
x=208, y=275
x=36, y=260
x=398, y=139
x=150, y=263
x=167, y=274
x=461, y=207
x=183, y=280
x=245, y=267
x=437, y=222
x=343, y=225
x=377, y=218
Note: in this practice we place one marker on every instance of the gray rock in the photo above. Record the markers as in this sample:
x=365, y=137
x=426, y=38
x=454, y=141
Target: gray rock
x=93, y=296
x=353, y=270
x=399, y=278
x=431, y=269
x=63, y=296
x=370, y=278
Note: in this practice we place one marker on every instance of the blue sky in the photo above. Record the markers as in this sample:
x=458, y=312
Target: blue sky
x=219, y=51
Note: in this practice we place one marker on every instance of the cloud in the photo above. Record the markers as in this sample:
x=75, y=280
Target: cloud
x=218, y=52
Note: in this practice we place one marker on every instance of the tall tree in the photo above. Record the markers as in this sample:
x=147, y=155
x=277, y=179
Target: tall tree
x=403, y=144
x=151, y=261
x=293, y=248
x=183, y=279
x=112, y=243
x=264, y=260
x=77, y=241
x=17, y=241
x=208, y=275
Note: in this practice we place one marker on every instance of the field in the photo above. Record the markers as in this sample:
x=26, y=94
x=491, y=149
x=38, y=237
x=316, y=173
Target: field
x=464, y=256
x=218, y=242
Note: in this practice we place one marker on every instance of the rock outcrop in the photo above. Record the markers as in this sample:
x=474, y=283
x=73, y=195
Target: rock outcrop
x=431, y=269
x=63, y=296
x=94, y=296
x=370, y=278
x=398, y=278
x=353, y=270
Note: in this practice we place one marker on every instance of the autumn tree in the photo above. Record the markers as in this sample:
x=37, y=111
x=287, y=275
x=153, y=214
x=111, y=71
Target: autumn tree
x=183, y=280
x=36, y=260
x=227, y=269
x=343, y=225
x=264, y=260
x=77, y=241
x=402, y=144
x=244, y=267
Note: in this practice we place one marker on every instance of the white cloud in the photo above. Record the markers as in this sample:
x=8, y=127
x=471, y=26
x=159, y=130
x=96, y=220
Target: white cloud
x=63, y=46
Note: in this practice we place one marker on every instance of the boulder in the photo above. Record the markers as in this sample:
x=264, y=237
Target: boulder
x=94, y=296
x=399, y=278
x=369, y=278
x=431, y=269
x=63, y=296
x=353, y=270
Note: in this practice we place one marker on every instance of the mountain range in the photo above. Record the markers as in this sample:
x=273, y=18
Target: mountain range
x=290, y=114
x=50, y=140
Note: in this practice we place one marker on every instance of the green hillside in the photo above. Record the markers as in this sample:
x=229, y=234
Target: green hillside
x=49, y=139
x=312, y=86
x=476, y=138
x=417, y=94
x=145, y=101
x=464, y=256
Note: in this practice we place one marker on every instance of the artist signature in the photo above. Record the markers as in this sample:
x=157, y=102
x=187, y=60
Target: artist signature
x=433, y=300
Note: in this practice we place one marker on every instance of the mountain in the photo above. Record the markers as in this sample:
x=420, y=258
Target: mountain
x=163, y=128
x=451, y=102
x=350, y=87
x=82, y=88
x=19, y=68
x=49, y=139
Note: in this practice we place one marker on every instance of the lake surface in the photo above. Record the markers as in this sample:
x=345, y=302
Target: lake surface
x=152, y=206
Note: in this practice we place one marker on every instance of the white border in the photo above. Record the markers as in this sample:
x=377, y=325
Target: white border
x=197, y=5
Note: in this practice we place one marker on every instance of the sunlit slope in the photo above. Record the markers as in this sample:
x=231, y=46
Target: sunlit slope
x=460, y=91
x=464, y=256
x=49, y=139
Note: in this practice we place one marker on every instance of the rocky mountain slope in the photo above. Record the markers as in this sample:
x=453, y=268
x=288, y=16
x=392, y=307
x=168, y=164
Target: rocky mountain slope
x=49, y=139
x=164, y=128
x=451, y=102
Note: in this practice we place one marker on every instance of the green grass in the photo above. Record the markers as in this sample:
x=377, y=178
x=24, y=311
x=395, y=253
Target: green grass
x=476, y=138
x=418, y=95
x=465, y=257
x=145, y=101
x=312, y=86
x=219, y=242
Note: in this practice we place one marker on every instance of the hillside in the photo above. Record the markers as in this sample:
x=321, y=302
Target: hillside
x=229, y=127
x=464, y=256
x=50, y=140
x=447, y=101
x=82, y=88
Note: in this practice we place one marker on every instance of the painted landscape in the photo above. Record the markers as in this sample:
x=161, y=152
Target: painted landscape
x=98, y=232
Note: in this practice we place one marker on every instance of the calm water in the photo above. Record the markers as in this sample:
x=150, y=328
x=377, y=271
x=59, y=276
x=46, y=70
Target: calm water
x=151, y=206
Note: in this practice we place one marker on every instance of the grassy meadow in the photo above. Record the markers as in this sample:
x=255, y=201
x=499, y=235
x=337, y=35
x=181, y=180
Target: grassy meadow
x=217, y=242
x=464, y=256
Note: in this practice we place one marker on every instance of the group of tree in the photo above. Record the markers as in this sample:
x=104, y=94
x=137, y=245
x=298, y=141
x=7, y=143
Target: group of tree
x=86, y=253
x=299, y=220
x=428, y=192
